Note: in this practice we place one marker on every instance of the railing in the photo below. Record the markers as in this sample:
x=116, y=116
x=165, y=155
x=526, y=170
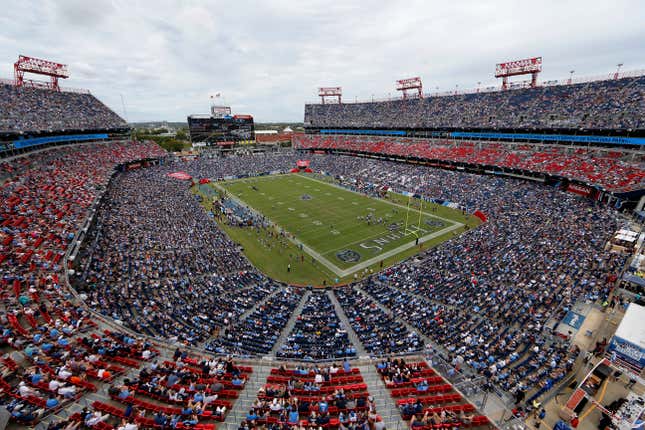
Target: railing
x=498, y=88
x=36, y=84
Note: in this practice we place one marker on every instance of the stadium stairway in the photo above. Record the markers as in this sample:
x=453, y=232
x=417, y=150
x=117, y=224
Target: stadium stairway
x=242, y=316
x=426, y=339
x=433, y=357
x=246, y=398
x=385, y=405
x=353, y=337
x=292, y=321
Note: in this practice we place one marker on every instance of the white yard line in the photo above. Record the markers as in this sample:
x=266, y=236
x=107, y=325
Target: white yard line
x=382, y=200
x=341, y=273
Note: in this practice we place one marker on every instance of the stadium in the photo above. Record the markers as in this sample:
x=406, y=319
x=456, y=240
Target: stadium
x=466, y=259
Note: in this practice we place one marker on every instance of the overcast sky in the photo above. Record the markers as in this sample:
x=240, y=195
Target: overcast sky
x=267, y=58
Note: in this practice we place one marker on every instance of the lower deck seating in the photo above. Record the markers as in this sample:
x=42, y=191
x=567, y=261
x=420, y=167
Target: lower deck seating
x=427, y=400
x=321, y=398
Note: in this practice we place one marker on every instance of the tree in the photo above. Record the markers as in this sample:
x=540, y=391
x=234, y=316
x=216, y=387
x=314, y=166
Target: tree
x=181, y=134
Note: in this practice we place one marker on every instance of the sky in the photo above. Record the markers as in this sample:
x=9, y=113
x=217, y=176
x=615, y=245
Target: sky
x=267, y=58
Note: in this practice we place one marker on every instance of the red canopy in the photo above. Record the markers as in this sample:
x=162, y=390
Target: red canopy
x=479, y=214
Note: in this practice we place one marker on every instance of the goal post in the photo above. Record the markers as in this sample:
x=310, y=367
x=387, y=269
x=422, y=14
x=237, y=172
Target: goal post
x=412, y=229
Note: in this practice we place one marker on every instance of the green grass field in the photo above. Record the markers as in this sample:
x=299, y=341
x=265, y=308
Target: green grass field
x=334, y=234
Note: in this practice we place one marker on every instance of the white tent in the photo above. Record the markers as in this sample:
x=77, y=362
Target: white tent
x=629, y=340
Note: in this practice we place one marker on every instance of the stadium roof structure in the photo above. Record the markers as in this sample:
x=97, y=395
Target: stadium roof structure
x=40, y=67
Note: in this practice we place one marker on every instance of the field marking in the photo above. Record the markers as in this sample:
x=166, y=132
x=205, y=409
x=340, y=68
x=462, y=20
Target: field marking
x=367, y=239
x=379, y=199
x=398, y=250
x=359, y=266
x=334, y=269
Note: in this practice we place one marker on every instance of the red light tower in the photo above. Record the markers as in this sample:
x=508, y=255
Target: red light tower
x=531, y=66
x=324, y=92
x=39, y=67
x=410, y=84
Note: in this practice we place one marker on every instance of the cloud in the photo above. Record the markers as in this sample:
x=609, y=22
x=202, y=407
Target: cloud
x=267, y=58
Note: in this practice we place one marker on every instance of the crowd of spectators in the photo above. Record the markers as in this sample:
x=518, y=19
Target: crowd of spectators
x=518, y=258
x=425, y=398
x=318, y=333
x=258, y=332
x=613, y=170
x=617, y=104
x=27, y=110
x=540, y=251
x=380, y=332
x=333, y=396
x=157, y=263
x=47, y=196
x=193, y=388
x=185, y=281
x=241, y=164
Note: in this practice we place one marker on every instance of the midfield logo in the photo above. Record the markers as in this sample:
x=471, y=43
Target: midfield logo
x=348, y=256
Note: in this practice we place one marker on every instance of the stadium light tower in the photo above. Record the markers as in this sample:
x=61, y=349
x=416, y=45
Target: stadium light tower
x=618, y=66
x=528, y=66
x=324, y=92
x=39, y=67
x=405, y=85
x=571, y=72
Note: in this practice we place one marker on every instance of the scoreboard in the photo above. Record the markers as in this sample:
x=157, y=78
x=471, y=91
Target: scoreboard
x=224, y=130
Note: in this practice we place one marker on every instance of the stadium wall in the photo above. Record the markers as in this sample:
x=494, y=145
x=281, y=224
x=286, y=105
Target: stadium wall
x=557, y=136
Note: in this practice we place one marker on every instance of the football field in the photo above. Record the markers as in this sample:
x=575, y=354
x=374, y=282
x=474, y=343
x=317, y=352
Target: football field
x=343, y=230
